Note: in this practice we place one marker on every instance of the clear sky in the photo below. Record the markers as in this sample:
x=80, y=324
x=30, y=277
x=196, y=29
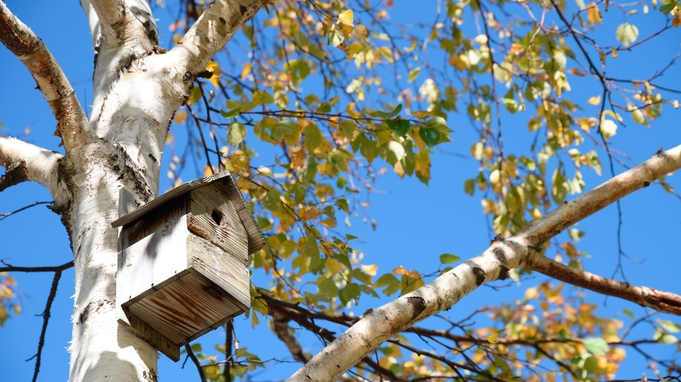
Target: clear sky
x=415, y=223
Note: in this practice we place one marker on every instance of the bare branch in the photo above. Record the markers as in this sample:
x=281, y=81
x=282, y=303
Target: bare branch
x=39, y=165
x=195, y=361
x=56, y=268
x=382, y=323
x=5, y=215
x=72, y=123
x=216, y=26
x=46, y=318
x=642, y=295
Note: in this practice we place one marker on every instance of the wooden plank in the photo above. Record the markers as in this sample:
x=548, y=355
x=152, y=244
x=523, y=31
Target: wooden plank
x=222, y=268
x=185, y=309
x=154, y=338
x=256, y=240
x=168, y=196
x=154, y=251
x=213, y=217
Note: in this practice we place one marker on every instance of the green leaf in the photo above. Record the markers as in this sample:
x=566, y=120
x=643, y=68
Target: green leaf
x=413, y=74
x=230, y=114
x=350, y=292
x=236, y=133
x=448, y=258
x=626, y=33
x=396, y=111
x=327, y=286
x=668, y=7
x=194, y=96
x=664, y=338
x=669, y=326
x=313, y=137
x=595, y=345
x=430, y=136
x=398, y=126
x=389, y=282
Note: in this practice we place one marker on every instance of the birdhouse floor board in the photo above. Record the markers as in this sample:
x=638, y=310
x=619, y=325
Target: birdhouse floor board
x=185, y=309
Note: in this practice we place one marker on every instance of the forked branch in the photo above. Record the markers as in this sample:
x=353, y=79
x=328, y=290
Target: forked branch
x=216, y=26
x=72, y=123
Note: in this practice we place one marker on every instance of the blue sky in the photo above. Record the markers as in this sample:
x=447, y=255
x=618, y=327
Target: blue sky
x=416, y=223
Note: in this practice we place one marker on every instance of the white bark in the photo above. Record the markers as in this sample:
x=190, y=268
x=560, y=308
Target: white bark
x=137, y=89
x=41, y=166
x=380, y=324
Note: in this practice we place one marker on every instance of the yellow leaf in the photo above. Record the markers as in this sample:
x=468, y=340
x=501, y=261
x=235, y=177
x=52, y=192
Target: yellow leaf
x=594, y=14
x=361, y=31
x=180, y=116
x=346, y=17
x=422, y=114
x=246, y=70
x=214, y=68
x=370, y=269
x=594, y=100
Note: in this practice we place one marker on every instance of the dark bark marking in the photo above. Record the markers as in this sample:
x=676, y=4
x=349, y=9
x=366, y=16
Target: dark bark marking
x=500, y=255
x=418, y=304
x=646, y=184
x=503, y=273
x=242, y=9
x=222, y=20
x=480, y=275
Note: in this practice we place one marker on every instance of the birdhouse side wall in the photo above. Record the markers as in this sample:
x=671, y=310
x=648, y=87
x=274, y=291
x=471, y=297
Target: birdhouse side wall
x=223, y=268
x=153, y=250
x=213, y=217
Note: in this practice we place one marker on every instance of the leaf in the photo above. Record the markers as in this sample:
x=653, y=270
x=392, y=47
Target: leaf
x=637, y=116
x=396, y=111
x=398, y=126
x=430, y=136
x=313, y=137
x=413, y=74
x=235, y=133
x=626, y=33
x=608, y=128
x=448, y=258
x=361, y=31
x=669, y=326
x=194, y=96
x=389, y=282
x=595, y=345
x=422, y=114
x=346, y=17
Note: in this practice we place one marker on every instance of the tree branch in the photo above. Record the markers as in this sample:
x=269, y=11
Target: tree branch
x=46, y=318
x=216, y=26
x=38, y=164
x=72, y=123
x=659, y=300
x=382, y=323
x=15, y=173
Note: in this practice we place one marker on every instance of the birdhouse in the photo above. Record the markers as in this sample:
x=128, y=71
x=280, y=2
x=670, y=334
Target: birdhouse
x=183, y=261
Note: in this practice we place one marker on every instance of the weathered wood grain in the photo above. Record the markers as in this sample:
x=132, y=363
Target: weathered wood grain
x=213, y=217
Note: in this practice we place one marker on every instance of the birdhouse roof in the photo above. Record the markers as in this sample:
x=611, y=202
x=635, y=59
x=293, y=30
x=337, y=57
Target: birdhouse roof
x=256, y=240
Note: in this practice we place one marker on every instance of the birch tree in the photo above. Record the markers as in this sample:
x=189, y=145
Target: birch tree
x=332, y=94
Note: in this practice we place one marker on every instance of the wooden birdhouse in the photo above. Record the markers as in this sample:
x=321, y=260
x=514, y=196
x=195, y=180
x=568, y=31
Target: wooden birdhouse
x=183, y=261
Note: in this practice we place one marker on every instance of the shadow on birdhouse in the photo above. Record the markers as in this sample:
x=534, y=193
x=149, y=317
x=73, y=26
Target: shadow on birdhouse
x=183, y=261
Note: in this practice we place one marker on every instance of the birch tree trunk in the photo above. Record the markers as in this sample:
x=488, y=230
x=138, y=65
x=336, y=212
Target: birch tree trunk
x=137, y=88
